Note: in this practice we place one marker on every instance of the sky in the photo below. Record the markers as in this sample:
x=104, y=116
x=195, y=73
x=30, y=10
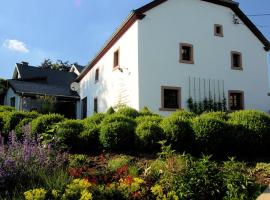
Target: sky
x=74, y=30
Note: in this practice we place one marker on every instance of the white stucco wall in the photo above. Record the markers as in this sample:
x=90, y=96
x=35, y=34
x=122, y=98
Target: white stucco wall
x=192, y=21
x=114, y=87
x=10, y=93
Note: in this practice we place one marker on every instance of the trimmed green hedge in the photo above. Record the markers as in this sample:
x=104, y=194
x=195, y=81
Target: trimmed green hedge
x=210, y=134
x=178, y=132
x=148, y=134
x=68, y=133
x=44, y=122
x=128, y=112
x=117, y=132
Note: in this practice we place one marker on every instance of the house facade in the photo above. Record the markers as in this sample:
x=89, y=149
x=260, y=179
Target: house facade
x=169, y=51
x=31, y=87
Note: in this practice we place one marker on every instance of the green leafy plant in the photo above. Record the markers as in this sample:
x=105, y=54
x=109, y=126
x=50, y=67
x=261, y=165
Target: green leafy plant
x=117, y=132
x=118, y=162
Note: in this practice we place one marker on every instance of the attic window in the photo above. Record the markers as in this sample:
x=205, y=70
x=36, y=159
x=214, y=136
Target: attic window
x=186, y=53
x=116, y=58
x=218, y=30
x=236, y=59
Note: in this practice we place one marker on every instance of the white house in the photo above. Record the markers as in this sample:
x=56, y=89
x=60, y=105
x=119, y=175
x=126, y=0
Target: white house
x=170, y=50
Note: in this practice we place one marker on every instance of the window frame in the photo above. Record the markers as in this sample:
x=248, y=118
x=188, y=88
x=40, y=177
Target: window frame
x=12, y=102
x=215, y=30
x=242, y=102
x=181, y=60
x=179, y=96
x=240, y=60
x=116, y=65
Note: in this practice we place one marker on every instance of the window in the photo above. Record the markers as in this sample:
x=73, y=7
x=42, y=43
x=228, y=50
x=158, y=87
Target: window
x=97, y=75
x=170, y=98
x=84, y=108
x=236, y=59
x=186, y=53
x=116, y=58
x=95, y=105
x=236, y=100
x=12, y=102
x=218, y=30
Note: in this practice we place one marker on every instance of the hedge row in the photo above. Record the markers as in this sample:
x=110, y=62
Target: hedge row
x=244, y=133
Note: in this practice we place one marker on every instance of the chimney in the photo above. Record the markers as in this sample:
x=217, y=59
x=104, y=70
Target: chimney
x=24, y=63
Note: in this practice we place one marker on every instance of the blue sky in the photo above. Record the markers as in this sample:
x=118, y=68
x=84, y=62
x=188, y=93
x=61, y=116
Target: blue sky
x=73, y=30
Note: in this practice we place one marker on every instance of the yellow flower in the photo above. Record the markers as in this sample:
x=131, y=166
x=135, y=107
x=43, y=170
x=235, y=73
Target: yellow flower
x=35, y=194
x=86, y=195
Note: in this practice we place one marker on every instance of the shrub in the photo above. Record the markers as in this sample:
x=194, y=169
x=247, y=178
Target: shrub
x=148, y=134
x=44, y=122
x=202, y=180
x=78, y=189
x=154, y=118
x=89, y=137
x=118, y=162
x=145, y=111
x=2, y=122
x=77, y=160
x=237, y=184
x=12, y=119
x=252, y=129
x=68, y=133
x=184, y=114
x=178, y=132
x=210, y=134
x=128, y=112
x=117, y=132
x=217, y=115
x=6, y=109
x=19, y=129
x=110, y=111
x=96, y=118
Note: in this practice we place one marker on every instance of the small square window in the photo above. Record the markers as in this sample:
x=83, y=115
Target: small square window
x=186, y=53
x=236, y=100
x=116, y=57
x=218, y=29
x=236, y=60
x=95, y=105
x=97, y=75
x=170, y=98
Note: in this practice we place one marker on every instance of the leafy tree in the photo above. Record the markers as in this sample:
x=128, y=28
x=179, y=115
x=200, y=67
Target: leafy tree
x=2, y=86
x=58, y=65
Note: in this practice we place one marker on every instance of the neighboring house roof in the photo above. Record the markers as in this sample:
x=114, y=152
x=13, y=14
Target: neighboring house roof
x=30, y=88
x=40, y=81
x=78, y=67
x=138, y=14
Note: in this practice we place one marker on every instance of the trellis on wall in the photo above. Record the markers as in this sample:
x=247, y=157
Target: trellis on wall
x=206, y=95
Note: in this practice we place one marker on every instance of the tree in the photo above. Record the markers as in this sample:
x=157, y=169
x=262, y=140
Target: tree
x=58, y=65
x=3, y=89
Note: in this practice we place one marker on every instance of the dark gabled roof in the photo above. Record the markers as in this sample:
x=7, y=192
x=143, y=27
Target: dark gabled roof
x=41, y=81
x=79, y=67
x=138, y=14
x=32, y=88
x=52, y=77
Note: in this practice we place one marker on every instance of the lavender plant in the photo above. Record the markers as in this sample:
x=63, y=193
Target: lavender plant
x=25, y=163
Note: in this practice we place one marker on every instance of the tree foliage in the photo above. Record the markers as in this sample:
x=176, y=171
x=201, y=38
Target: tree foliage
x=58, y=65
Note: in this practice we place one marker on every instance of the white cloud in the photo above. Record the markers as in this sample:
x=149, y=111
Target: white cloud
x=16, y=45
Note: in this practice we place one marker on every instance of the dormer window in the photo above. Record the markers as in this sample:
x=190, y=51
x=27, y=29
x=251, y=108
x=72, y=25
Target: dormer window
x=186, y=53
x=218, y=30
x=116, y=56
